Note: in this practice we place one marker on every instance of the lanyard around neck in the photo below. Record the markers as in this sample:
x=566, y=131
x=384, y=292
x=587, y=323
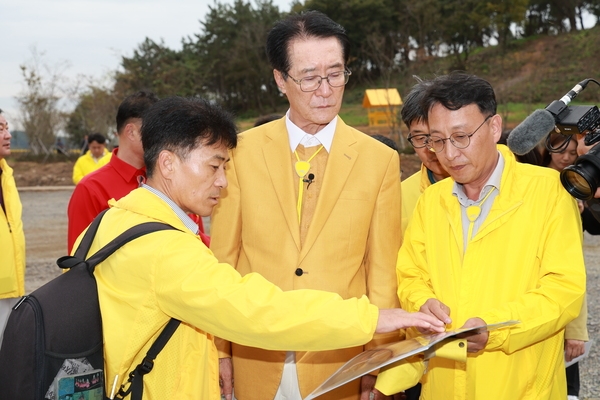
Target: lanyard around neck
x=473, y=212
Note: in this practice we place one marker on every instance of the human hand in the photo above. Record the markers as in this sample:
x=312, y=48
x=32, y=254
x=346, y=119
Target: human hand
x=392, y=319
x=573, y=348
x=226, y=377
x=476, y=342
x=436, y=309
x=368, y=391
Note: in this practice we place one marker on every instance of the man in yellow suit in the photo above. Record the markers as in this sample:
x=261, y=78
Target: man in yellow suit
x=97, y=156
x=311, y=203
x=12, y=254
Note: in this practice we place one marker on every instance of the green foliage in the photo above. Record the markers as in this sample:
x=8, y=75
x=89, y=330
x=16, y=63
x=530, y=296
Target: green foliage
x=95, y=112
x=231, y=50
x=392, y=41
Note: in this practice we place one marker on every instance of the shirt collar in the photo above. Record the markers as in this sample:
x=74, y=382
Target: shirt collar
x=324, y=136
x=187, y=221
x=127, y=171
x=492, y=182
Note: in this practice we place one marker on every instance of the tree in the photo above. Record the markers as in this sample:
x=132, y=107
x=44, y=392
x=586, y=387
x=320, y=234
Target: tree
x=231, y=49
x=40, y=114
x=505, y=15
x=155, y=67
x=95, y=112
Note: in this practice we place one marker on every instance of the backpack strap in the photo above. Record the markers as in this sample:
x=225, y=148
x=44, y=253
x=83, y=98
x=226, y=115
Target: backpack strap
x=136, y=376
x=124, y=238
x=88, y=238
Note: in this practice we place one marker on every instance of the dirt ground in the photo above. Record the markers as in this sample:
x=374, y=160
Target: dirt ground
x=28, y=173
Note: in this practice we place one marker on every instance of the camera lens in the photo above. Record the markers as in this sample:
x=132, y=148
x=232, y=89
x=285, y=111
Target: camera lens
x=577, y=182
x=583, y=178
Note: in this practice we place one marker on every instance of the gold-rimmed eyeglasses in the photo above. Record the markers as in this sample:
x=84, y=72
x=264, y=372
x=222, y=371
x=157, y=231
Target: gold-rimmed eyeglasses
x=312, y=83
x=458, y=139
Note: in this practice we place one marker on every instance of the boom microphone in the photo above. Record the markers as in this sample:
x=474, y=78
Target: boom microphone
x=530, y=132
x=538, y=125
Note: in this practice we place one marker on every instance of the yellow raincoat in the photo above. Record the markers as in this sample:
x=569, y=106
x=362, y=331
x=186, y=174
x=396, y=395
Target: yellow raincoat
x=173, y=274
x=86, y=165
x=525, y=263
x=12, y=255
x=412, y=187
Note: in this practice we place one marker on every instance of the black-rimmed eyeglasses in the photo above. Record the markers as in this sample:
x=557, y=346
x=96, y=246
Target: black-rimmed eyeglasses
x=458, y=140
x=312, y=83
x=418, y=141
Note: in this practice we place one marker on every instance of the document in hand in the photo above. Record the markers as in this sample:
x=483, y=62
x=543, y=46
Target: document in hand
x=386, y=354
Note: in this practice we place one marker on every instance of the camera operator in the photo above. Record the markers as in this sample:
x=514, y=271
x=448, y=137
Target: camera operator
x=591, y=211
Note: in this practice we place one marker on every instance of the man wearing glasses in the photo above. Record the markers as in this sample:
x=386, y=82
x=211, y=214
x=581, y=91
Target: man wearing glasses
x=311, y=203
x=498, y=241
x=431, y=171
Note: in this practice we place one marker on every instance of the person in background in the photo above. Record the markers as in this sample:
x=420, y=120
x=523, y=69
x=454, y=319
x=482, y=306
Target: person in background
x=96, y=157
x=576, y=332
x=312, y=203
x=387, y=141
x=12, y=238
x=431, y=171
x=266, y=118
x=117, y=178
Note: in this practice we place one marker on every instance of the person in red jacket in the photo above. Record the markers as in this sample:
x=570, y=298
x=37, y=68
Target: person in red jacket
x=117, y=178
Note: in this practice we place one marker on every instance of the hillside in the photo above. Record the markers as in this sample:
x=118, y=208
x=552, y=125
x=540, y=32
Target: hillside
x=533, y=70
x=529, y=74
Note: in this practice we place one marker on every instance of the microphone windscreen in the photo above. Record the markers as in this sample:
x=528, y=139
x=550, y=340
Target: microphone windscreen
x=530, y=132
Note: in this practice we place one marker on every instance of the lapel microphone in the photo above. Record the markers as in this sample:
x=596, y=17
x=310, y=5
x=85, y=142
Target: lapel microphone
x=310, y=180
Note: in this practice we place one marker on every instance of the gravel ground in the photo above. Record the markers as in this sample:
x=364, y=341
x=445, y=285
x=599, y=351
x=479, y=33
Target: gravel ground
x=45, y=222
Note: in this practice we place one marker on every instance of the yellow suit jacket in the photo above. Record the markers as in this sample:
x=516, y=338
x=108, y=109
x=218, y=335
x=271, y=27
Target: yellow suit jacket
x=350, y=247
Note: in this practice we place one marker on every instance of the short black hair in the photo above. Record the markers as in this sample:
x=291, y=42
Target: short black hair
x=308, y=24
x=387, y=141
x=134, y=106
x=180, y=124
x=96, y=137
x=266, y=118
x=412, y=110
x=459, y=89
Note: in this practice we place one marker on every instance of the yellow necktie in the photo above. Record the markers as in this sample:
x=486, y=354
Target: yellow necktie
x=302, y=168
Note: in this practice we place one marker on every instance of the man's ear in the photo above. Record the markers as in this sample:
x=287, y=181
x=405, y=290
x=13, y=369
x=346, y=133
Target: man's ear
x=129, y=131
x=279, y=80
x=496, y=126
x=166, y=163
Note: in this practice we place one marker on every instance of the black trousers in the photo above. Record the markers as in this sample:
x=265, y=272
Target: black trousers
x=573, y=380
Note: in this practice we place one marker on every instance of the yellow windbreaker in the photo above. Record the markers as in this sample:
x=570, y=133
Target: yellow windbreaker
x=525, y=263
x=86, y=164
x=173, y=274
x=412, y=187
x=12, y=255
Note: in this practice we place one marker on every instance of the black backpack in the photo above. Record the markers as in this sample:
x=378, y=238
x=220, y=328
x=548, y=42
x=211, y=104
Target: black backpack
x=61, y=321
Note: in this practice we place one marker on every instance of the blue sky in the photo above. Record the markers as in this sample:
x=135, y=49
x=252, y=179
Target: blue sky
x=89, y=36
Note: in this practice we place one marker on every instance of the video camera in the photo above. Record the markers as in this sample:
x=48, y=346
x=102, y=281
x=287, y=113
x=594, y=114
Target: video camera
x=581, y=179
